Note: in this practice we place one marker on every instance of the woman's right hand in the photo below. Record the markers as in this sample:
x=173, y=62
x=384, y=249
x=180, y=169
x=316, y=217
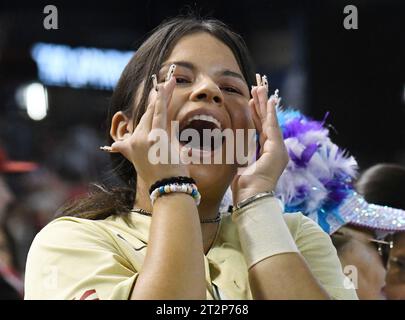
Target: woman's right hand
x=135, y=147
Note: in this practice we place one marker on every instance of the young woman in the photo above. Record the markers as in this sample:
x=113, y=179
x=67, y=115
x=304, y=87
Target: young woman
x=156, y=239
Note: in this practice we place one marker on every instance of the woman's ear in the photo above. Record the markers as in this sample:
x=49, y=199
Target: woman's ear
x=121, y=126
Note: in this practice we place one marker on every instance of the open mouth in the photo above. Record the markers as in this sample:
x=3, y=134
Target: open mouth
x=202, y=132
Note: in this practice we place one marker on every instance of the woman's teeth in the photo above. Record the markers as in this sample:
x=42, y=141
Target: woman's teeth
x=205, y=118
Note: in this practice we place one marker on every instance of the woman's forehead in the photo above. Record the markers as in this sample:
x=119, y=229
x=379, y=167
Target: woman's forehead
x=204, y=51
x=358, y=233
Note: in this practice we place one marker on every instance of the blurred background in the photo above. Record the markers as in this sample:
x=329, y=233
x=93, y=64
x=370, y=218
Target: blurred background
x=55, y=87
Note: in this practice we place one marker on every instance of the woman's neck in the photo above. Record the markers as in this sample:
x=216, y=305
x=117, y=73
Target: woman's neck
x=208, y=210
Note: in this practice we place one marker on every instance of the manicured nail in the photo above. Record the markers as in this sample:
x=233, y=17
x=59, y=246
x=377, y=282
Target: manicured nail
x=154, y=81
x=106, y=148
x=276, y=98
x=170, y=72
x=258, y=79
x=278, y=102
x=265, y=82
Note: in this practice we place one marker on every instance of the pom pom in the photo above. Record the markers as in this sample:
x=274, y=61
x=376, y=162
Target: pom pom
x=319, y=175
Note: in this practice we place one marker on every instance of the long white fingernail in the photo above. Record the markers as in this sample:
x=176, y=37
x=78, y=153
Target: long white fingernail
x=106, y=148
x=278, y=102
x=258, y=79
x=170, y=72
x=276, y=98
x=154, y=81
x=265, y=82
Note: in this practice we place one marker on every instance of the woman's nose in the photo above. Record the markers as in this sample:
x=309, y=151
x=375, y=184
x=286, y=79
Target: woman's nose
x=209, y=92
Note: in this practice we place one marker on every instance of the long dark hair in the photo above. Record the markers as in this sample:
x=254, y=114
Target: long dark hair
x=106, y=201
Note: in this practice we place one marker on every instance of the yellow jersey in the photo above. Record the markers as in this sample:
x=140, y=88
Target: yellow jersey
x=74, y=258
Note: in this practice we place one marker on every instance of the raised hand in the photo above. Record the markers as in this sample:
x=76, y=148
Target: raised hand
x=136, y=146
x=265, y=172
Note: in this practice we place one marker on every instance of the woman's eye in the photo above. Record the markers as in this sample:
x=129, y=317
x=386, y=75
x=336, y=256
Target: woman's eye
x=182, y=80
x=231, y=90
x=399, y=262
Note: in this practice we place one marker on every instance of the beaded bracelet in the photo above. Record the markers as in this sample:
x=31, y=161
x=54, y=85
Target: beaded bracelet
x=189, y=188
x=172, y=180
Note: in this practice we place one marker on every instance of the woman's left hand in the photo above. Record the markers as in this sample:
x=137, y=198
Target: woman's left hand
x=265, y=172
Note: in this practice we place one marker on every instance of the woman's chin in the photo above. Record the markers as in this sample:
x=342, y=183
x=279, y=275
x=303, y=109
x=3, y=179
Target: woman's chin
x=210, y=177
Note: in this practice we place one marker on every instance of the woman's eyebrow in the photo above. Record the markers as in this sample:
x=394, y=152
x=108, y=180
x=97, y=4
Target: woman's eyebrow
x=191, y=66
x=229, y=73
x=184, y=64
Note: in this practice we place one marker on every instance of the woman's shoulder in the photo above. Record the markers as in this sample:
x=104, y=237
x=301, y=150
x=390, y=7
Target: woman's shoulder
x=68, y=224
x=301, y=226
x=317, y=248
x=69, y=230
x=81, y=254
